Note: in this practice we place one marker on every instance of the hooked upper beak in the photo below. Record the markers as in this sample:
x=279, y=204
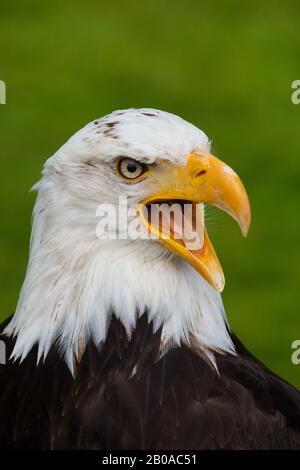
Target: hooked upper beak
x=204, y=179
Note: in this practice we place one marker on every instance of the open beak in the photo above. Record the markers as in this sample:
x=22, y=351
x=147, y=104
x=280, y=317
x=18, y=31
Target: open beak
x=174, y=213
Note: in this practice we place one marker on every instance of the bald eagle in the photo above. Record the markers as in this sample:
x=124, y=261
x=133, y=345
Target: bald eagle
x=122, y=342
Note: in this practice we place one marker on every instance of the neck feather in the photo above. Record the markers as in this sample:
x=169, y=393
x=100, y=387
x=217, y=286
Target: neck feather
x=73, y=288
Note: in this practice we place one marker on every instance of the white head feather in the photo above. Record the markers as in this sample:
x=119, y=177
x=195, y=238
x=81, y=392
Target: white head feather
x=75, y=281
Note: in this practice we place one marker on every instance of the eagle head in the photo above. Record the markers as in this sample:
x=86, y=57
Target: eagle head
x=162, y=169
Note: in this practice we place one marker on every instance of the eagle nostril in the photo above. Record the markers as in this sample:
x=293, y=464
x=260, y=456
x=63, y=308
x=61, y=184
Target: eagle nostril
x=202, y=172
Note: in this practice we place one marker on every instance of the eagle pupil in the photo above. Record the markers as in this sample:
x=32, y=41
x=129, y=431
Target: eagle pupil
x=132, y=167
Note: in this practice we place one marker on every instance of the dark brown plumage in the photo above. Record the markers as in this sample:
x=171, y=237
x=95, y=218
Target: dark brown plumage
x=178, y=402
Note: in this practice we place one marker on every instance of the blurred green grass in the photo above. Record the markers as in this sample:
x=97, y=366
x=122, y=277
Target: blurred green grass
x=226, y=66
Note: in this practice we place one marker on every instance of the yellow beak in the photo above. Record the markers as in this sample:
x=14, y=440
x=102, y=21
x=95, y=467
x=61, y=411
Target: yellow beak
x=204, y=179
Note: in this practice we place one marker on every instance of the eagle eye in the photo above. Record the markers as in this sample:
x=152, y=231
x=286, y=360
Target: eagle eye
x=130, y=169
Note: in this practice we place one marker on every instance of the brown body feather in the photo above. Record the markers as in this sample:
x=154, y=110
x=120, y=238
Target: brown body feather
x=123, y=397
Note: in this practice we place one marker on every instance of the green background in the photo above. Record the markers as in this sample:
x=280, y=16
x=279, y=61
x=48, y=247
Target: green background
x=225, y=66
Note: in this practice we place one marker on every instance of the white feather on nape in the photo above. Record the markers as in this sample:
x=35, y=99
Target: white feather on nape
x=74, y=281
